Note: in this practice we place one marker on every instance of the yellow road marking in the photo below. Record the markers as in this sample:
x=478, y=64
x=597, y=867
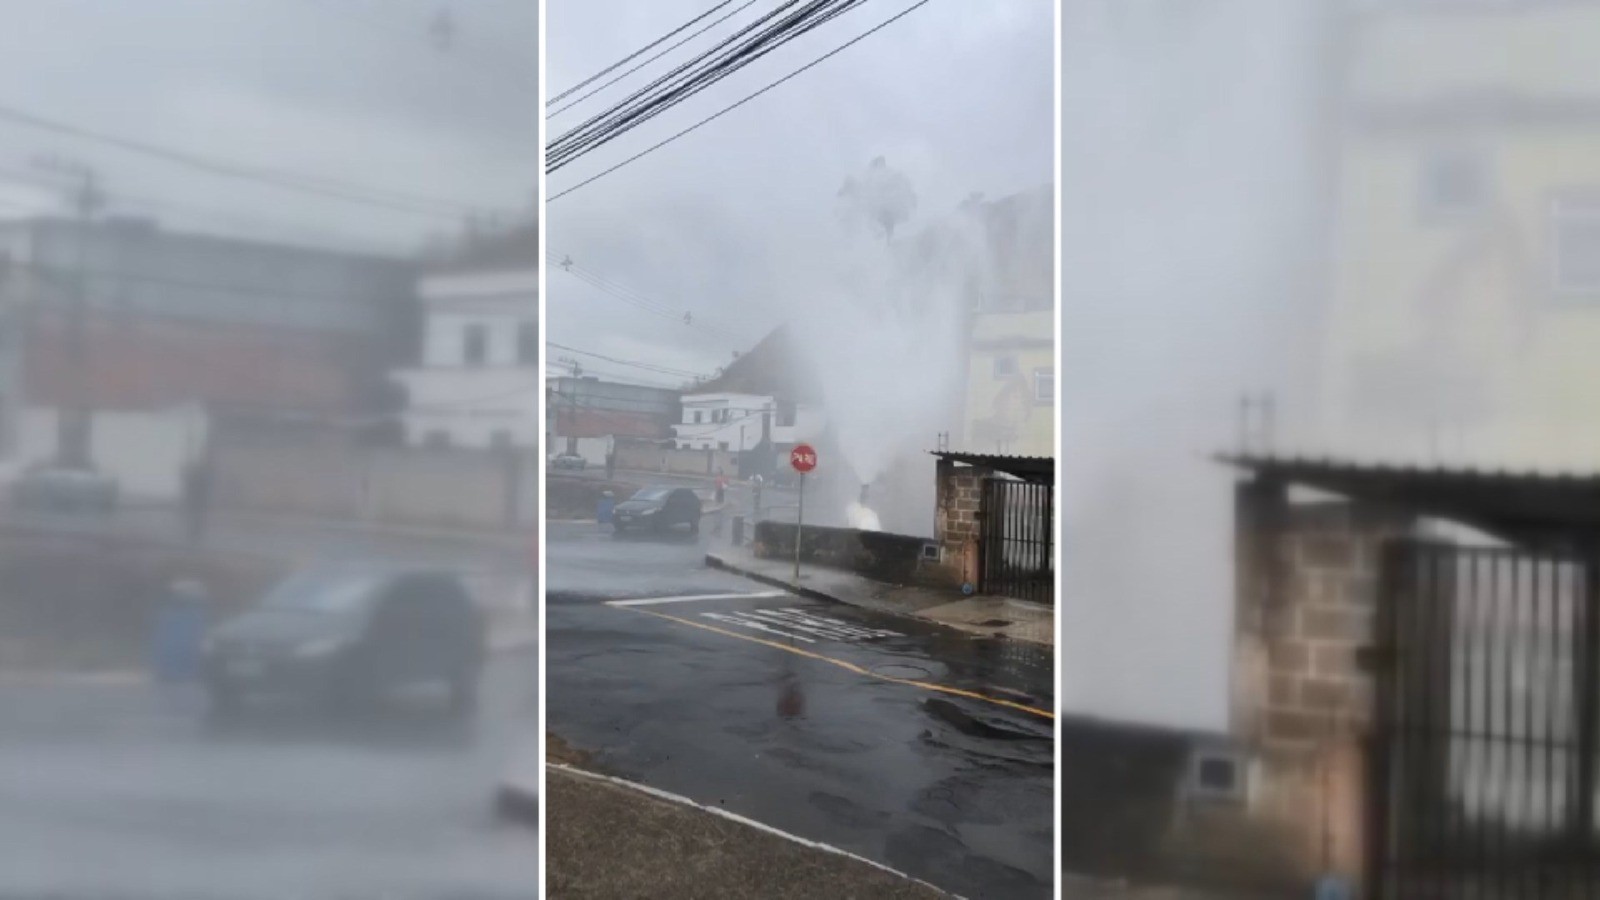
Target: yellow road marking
x=850, y=666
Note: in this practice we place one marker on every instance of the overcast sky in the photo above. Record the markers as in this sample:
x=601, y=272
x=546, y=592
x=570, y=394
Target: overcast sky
x=957, y=95
x=351, y=90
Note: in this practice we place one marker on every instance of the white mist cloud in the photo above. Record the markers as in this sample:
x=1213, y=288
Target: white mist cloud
x=1187, y=183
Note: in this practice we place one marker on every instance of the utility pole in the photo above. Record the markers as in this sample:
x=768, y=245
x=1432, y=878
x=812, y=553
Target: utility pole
x=74, y=420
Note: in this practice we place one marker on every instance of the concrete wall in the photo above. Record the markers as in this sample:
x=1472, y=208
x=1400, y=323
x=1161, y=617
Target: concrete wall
x=409, y=486
x=891, y=558
x=144, y=451
x=648, y=456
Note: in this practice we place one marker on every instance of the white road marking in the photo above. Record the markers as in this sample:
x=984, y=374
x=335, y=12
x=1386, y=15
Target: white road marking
x=740, y=620
x=810, y=619
x=689, y=598
x=800, y=625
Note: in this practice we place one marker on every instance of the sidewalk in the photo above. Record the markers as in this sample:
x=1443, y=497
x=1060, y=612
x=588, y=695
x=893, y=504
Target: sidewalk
x=989, y=616
x=611, y=838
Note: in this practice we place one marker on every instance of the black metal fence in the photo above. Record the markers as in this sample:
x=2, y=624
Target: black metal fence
x=1484, y=760
x=1016, y=550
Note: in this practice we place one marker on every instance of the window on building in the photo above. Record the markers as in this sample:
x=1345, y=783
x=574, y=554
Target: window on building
x=1005, y=367
x=1575, y=244
x=1452, y=183
x=1044, y=387
x=436, y=438
x=474, y=345
x=528, y=343
x=500, y=439
x=697, y=417
x=722, y=445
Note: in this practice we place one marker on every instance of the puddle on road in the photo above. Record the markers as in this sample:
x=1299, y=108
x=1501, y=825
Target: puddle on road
x=902, y=670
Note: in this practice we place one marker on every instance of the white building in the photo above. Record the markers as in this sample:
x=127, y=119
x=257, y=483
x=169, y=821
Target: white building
x=732, y=421
x=479, y=379
x=723, y=421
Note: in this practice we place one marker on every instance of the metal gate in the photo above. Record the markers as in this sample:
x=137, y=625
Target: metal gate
x=1484, y=758
x=1015, y=550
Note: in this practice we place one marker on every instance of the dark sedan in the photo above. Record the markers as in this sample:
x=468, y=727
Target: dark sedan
x=658, y=509
x=350, y=636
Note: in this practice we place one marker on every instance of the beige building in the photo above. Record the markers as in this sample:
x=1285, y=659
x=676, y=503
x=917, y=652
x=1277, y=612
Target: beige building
x=1464, y=321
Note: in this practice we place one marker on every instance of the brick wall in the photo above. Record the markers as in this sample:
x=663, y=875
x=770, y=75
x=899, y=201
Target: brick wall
x=1306, y=603
x=957, y=501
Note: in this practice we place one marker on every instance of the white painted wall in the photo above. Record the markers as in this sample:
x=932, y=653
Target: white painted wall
x=726, y=421
x=809, y=424
x=471, y=404
x=144, y=451
x=445, y=339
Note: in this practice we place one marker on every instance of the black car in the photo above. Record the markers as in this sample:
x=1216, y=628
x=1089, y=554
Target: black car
x=658, y=509
x=350, y=636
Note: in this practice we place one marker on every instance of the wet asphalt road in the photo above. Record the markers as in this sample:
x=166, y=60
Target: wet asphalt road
x=120, y=789
x=894, y=772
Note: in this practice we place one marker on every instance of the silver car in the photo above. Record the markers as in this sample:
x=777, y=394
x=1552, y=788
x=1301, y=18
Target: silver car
x=48, y=486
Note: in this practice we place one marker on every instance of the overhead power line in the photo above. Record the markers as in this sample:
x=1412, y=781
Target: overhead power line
x=236, y=223
x=559, y=370
x=649, y=367
x=405, y=202
x=732, y=106
x=639, y=301
x=744, y=47
x=66, y=273
x=626, y=59
x=483, y=64
x=710, y=25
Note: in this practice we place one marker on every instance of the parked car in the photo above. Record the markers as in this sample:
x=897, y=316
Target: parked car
x=48, y=486
x=658, y=509
x=568, y=461
x=350, y=636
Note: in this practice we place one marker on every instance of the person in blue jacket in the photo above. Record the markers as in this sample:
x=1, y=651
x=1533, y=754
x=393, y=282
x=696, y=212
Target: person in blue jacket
x=180, y=629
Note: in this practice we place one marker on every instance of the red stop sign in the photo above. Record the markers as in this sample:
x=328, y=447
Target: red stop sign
x=803, y=458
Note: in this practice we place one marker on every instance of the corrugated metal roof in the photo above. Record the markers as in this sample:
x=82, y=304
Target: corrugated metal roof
x=1264, y=462
x=1032, y=468
x=1560, y=509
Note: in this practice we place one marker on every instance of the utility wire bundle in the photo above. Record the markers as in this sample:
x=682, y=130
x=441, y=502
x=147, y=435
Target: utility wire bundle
x=788, y=21
x=634, y=298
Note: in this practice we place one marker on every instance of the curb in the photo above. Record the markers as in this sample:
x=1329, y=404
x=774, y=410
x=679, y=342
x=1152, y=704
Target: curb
x=690, y=803
x=715, y=561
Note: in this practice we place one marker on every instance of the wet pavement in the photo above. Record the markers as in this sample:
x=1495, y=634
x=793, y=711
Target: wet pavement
x=865, y=731
x=127, y=790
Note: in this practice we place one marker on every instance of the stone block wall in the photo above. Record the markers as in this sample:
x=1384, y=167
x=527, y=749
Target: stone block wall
x=958, y=501
x=1305, y=612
